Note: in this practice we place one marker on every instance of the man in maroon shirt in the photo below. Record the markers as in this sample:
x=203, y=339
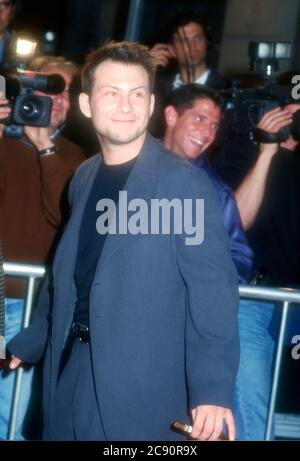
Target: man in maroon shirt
x=34, y=172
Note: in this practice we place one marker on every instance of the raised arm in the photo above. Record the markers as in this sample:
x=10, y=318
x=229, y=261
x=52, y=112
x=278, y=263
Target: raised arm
x=250, y=193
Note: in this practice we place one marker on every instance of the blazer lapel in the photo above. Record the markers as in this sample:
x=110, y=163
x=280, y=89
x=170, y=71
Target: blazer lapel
x=66, y=254
x=140, y=184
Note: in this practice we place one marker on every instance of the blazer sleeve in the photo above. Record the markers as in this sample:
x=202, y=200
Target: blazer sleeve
x=212, y=342
x=30, y=344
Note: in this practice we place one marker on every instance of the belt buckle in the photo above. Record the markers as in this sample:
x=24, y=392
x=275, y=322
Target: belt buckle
x=81, y=332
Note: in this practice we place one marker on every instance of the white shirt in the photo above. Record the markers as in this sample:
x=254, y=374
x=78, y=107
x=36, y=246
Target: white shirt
x=177, y=82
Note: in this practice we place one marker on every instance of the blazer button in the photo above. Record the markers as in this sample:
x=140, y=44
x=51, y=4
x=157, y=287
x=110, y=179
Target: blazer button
x=99, y=315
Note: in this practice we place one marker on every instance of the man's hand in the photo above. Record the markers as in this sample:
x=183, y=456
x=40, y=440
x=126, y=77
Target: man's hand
x=272, y=122
x=5, y=111
x=208, y=422
x=161, y=54
x=10, y=363
x=39, y=136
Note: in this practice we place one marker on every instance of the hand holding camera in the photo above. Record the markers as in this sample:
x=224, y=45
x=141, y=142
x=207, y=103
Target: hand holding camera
x=5, y=111
x=26, y=107
x=272, y=128
x=39, y=136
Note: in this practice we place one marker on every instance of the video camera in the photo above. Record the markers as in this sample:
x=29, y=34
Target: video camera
x=27, y=107
x=19, y=85
x=252, y=95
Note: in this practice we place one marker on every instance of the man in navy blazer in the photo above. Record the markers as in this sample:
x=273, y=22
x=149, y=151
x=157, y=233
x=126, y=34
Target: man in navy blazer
x=144, y=319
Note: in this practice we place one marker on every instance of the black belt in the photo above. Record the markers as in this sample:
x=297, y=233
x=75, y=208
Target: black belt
x=82, y=332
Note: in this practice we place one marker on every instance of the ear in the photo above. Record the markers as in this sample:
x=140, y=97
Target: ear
x=84, y=104
x=152, y=103
x=171, y=116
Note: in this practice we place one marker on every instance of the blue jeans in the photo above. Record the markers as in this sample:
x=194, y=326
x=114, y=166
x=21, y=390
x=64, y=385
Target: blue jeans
x=253, y=382
x=13, y=321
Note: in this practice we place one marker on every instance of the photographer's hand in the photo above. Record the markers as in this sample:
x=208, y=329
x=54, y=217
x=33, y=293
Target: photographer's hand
x=39, y=136
x=272, y=122
x=5, y=111
x=250, y=193
x=161, y=54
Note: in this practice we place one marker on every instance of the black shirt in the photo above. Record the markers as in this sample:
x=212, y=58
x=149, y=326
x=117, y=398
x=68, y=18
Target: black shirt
x=109, y=181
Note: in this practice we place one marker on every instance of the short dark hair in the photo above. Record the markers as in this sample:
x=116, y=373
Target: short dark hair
x=182, y=18
x=184, y=97
x=122, y=52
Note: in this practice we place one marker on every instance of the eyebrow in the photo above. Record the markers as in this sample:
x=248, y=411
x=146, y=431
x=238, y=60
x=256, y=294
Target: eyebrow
x=141, y=87
x=198, y=114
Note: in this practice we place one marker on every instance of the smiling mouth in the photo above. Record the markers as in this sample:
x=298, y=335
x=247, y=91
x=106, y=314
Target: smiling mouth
x=197, y=141
x=123, y=121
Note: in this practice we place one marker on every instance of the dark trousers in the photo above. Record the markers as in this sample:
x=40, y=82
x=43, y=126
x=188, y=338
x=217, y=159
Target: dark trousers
x=76, y=415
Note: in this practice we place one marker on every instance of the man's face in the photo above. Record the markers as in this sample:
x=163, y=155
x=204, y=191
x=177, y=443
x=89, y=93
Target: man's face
x=194, y=130
x=6, y=14
x=189, y=45
x=120, y=103
x=60, y=102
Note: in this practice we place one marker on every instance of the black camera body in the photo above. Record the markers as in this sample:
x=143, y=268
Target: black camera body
x=30, y=109
x=244, y=107
x=27, y=107
x=252, y=95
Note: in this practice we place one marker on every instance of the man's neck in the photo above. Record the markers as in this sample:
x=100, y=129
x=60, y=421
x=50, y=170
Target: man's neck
x=167, y=141
x=115, y=154
x=169, y=144
x=188, y=74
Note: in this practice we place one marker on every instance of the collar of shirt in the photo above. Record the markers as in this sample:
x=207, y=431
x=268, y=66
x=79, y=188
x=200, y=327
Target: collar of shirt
x=200, y=80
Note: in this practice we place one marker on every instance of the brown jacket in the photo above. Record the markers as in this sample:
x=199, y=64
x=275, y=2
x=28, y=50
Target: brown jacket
x=31, y=190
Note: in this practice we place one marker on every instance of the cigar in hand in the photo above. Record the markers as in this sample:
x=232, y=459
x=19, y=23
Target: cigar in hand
x=181, y=427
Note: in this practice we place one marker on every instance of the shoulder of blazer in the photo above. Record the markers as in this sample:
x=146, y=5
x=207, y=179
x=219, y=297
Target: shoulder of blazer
x=82, y=175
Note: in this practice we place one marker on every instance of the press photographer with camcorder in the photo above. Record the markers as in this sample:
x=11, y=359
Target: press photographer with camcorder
x=250, y=96
x=268, y=201
x=260, y=158
x=35, y=168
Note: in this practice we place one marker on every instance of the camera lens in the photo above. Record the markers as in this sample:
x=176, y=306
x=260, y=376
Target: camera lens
x=31, y=109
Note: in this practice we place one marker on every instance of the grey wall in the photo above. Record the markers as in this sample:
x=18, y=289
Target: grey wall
x=256, y=20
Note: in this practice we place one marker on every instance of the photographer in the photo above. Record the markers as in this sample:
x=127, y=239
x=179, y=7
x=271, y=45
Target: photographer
x=250, y=193
x=34, y=172
x=181, y=61
x=268, y=201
